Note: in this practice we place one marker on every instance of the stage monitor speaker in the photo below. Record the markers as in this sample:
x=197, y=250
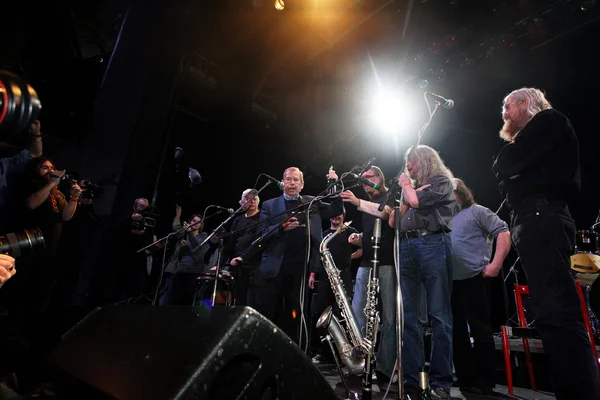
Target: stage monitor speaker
x=149, y=352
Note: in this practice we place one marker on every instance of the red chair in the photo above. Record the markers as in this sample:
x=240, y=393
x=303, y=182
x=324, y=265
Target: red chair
x=526, y=333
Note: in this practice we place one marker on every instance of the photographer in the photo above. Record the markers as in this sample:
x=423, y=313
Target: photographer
x=45, y=205
x=10, y=170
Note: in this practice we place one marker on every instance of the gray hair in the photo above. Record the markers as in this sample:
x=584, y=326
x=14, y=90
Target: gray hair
x=290, y=169
x=247, y=192
x=136, y=201
x=536, y=100
x=430, y=164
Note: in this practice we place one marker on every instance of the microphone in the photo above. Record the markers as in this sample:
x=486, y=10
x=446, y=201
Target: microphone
x=229, y=210
x=448, y=104
x=178, y=152
x=275, y=181
x=366, y=166
x=195, y=177
x=365, y=181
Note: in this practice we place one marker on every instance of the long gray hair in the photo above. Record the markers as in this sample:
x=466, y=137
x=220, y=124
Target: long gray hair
x=536, y=100
x=429, y=164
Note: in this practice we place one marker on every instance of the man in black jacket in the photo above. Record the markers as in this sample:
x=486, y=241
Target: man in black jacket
x=539, y=173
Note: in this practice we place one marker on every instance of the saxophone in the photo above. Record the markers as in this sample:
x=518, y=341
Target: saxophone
x=345, y=332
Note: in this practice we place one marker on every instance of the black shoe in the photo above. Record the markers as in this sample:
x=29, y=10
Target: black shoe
x=476, y=390
x=440, y=393
x=319, y=359
x=383, y=381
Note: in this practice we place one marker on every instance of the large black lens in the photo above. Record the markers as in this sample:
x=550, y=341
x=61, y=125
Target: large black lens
x=20, y=243
x=19, y=104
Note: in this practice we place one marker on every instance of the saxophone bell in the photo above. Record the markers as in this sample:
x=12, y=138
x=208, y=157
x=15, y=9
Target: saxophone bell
x=351, y=356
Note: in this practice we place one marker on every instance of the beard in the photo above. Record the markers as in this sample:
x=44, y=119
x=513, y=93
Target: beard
x=513, y=126
x=509, y=130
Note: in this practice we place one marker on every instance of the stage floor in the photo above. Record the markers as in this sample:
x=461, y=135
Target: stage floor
x=355, y=387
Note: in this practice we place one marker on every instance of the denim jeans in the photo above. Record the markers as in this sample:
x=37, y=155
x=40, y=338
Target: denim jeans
x=427, y=261
x=166, y=288
x=386, y=353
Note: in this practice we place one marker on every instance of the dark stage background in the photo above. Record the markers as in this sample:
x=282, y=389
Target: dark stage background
x=245, y=89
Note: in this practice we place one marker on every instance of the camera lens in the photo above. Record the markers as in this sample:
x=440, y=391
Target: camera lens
x=19, y=104
x=20, y=243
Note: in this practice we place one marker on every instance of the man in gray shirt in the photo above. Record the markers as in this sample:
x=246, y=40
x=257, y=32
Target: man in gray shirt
x=426, y=260
x=473, y=229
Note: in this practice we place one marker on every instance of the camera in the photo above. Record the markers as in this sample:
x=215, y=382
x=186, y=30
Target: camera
x=147, y=221
x=19, y=105
x=66, y=181
x=17, y=244
x=89, y=190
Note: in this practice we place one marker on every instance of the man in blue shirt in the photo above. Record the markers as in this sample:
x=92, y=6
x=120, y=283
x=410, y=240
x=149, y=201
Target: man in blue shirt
x=10, y=170
x=473, y=229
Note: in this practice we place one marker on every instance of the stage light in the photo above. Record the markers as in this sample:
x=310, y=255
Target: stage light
x=450, y=41
x=587, y=5
x=279, y=5
x=389, y=112
x=507, y=42
x=538, y=28
x=434, y=46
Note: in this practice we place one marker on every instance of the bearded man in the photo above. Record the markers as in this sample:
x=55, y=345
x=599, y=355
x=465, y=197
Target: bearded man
x=539, y=173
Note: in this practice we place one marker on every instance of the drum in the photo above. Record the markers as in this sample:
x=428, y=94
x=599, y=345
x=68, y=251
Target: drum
x=587, y=252
x=587, y=242
x=205, y=284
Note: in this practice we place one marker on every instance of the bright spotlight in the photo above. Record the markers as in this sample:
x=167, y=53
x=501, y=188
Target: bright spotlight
x=279, y=5
x=389, y=112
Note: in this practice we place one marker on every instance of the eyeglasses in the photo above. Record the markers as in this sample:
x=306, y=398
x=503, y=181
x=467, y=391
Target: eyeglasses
x=506, y=106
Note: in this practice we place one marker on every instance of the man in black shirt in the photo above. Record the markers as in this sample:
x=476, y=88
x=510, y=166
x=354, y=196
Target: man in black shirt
x=386, y=354
x=539, y=173
x=342, y=253
x=243, y=260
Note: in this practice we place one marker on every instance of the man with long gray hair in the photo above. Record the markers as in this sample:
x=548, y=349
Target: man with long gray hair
x=426, y=261
x=539, y=173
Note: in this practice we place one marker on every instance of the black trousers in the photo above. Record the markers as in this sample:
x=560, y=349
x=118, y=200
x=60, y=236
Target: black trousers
x=543, y=233
x=471, y=309
x=244, y=284
x=278, y=299
x=184, y=289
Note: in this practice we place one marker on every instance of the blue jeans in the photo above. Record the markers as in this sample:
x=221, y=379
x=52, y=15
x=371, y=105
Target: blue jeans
x=386, y=354
x=427, y=261
x=166, y=288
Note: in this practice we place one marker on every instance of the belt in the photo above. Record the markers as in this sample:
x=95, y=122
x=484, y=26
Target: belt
x=415, y=233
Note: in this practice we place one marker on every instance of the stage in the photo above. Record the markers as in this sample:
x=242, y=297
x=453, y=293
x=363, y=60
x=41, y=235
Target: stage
x=355, y=387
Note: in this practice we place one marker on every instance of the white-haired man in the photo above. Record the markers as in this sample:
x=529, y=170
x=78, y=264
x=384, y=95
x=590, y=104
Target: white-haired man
x=539, y=173
x=243, y=260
